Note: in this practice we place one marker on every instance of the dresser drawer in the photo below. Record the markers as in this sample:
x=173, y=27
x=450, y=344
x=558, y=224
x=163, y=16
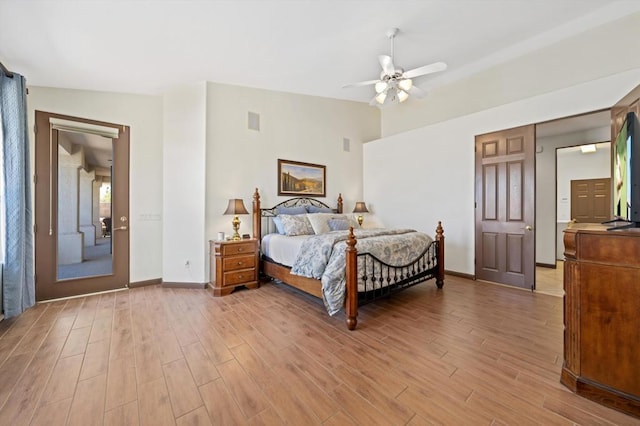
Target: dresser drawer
x=238, y=248
x=239, y=277
x=239, y=262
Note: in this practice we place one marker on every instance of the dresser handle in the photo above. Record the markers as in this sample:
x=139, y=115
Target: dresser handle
x=239, y=263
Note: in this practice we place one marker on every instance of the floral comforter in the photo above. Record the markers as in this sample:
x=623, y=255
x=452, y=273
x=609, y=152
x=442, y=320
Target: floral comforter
x=323, y=257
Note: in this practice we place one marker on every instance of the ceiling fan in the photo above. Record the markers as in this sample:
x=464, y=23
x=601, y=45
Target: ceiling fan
x=395, y=85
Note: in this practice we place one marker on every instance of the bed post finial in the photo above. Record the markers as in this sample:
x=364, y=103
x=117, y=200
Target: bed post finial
x=440, y=240
x=257, y=220
x=339, y=203
x=351, y=299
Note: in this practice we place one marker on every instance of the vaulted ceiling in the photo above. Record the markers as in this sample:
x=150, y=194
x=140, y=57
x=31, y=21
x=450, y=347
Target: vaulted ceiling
x=308, y=46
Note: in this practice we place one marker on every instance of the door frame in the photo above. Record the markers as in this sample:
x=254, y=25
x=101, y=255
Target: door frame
x=46, y=175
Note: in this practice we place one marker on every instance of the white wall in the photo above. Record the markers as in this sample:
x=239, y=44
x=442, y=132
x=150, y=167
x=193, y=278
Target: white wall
x=421, y=176
x=292, y=127
x=143, y=114
x=546, y=234
x=594, y=54
x=183, y=231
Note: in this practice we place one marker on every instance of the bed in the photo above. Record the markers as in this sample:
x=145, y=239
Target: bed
x=360, y=277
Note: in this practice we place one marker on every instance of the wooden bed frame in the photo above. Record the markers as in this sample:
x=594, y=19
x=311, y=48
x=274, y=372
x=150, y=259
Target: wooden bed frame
x=430, y=264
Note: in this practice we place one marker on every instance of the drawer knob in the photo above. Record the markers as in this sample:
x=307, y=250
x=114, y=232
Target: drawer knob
x=239, y=263
x=240, y=249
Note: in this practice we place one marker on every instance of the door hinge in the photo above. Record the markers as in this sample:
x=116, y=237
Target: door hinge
x=35, y=179
x=475, y=204
x=35, y=228
x=35, y=129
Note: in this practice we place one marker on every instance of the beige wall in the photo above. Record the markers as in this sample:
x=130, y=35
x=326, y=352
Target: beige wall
x=182, y=177
x=292, y=127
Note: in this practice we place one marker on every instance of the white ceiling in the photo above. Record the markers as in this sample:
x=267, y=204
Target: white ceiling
x=310, y=47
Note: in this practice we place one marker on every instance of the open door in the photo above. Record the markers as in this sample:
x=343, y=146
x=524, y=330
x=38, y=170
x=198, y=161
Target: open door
x=505, y=207
x=81, y=206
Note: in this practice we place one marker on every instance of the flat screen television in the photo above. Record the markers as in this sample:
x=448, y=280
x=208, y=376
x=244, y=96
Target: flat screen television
x=626, y=174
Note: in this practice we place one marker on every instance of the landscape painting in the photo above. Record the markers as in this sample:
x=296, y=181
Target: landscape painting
x=296, y=178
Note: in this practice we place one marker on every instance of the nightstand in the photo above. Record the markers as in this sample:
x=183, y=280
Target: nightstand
x=233, y=264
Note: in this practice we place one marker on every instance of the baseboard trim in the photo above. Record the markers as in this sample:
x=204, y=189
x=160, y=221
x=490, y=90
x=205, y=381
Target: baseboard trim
x=459, y=274
x=145, y=283
x=547, y=265
x=166, y=284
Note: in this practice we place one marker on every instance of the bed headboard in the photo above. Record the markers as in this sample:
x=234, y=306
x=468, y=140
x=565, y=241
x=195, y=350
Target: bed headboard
x=263, y=218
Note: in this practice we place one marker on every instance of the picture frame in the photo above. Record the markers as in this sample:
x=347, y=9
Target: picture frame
x=303, y=179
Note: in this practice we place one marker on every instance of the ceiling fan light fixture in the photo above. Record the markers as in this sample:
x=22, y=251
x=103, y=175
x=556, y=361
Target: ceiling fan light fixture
x=381, y=86
x=380, y=97
x=402, y=95
x=405, y=84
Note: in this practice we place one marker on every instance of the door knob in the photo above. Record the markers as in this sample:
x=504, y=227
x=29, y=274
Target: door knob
x=120, y=228
x=528, y=228
x=123, y=218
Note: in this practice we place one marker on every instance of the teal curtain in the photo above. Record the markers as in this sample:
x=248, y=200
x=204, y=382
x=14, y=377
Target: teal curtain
x=18, y=279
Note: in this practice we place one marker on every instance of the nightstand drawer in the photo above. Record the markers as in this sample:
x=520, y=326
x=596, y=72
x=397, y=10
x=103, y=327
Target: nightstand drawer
x=238, y=248
x=239, y=262
x=239, y=277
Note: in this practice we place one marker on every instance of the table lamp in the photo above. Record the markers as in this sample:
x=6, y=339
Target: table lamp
x=236, y=207
x=360, y=208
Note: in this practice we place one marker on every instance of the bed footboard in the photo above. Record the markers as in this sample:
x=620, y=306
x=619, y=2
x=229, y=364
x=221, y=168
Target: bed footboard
x=380, y=279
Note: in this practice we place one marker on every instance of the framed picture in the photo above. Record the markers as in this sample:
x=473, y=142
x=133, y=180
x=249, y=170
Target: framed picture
x=296, y=178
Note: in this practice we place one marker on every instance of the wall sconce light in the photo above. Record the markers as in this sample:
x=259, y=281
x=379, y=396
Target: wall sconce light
x=360, y=208
x=236, y=207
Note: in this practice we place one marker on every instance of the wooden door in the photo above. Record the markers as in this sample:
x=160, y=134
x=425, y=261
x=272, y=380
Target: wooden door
x=505, y=206
x=591, y=200
x=60, y=208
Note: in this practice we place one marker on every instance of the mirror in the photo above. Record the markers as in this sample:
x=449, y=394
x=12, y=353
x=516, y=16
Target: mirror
x=84, y=247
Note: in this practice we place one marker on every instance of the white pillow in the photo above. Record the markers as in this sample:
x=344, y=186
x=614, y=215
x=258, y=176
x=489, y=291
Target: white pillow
x=371, y=221
x=296, y=224
x=320, y=221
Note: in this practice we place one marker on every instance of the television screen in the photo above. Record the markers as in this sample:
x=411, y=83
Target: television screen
x=621, y=174
x=626, y=173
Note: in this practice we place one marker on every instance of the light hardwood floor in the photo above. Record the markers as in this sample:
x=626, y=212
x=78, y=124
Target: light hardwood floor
x=472, y=353
x=549, y=280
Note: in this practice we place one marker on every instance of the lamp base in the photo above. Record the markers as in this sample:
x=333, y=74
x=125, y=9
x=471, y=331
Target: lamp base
x=236, y=226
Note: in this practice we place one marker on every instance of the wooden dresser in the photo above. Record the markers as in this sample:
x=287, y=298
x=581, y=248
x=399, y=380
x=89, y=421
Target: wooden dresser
x=602, y=315
x=233, y=264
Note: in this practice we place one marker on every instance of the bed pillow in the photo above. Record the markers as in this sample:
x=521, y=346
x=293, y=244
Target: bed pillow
x=291, y=210
x=339, y=224
x=320, y=221
x=279, y=226
x=296, y=224
x=316, y=209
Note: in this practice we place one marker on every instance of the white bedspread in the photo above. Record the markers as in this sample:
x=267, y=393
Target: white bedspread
x=281, y=248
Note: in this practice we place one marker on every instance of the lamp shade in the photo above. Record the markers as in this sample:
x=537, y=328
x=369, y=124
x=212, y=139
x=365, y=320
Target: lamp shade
x=360, y=207
x=236, y=206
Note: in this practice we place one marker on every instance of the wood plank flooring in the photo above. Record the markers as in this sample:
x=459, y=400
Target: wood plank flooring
x=550, y=280
x=472, y=353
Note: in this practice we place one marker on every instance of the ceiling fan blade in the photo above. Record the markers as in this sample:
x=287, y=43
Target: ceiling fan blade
x=427, y=69
x=387, y=64
x=360, y=83
x=417, y=92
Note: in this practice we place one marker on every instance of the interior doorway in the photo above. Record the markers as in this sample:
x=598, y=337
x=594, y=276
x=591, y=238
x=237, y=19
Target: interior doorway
x=81, y=206
x=560, y=158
